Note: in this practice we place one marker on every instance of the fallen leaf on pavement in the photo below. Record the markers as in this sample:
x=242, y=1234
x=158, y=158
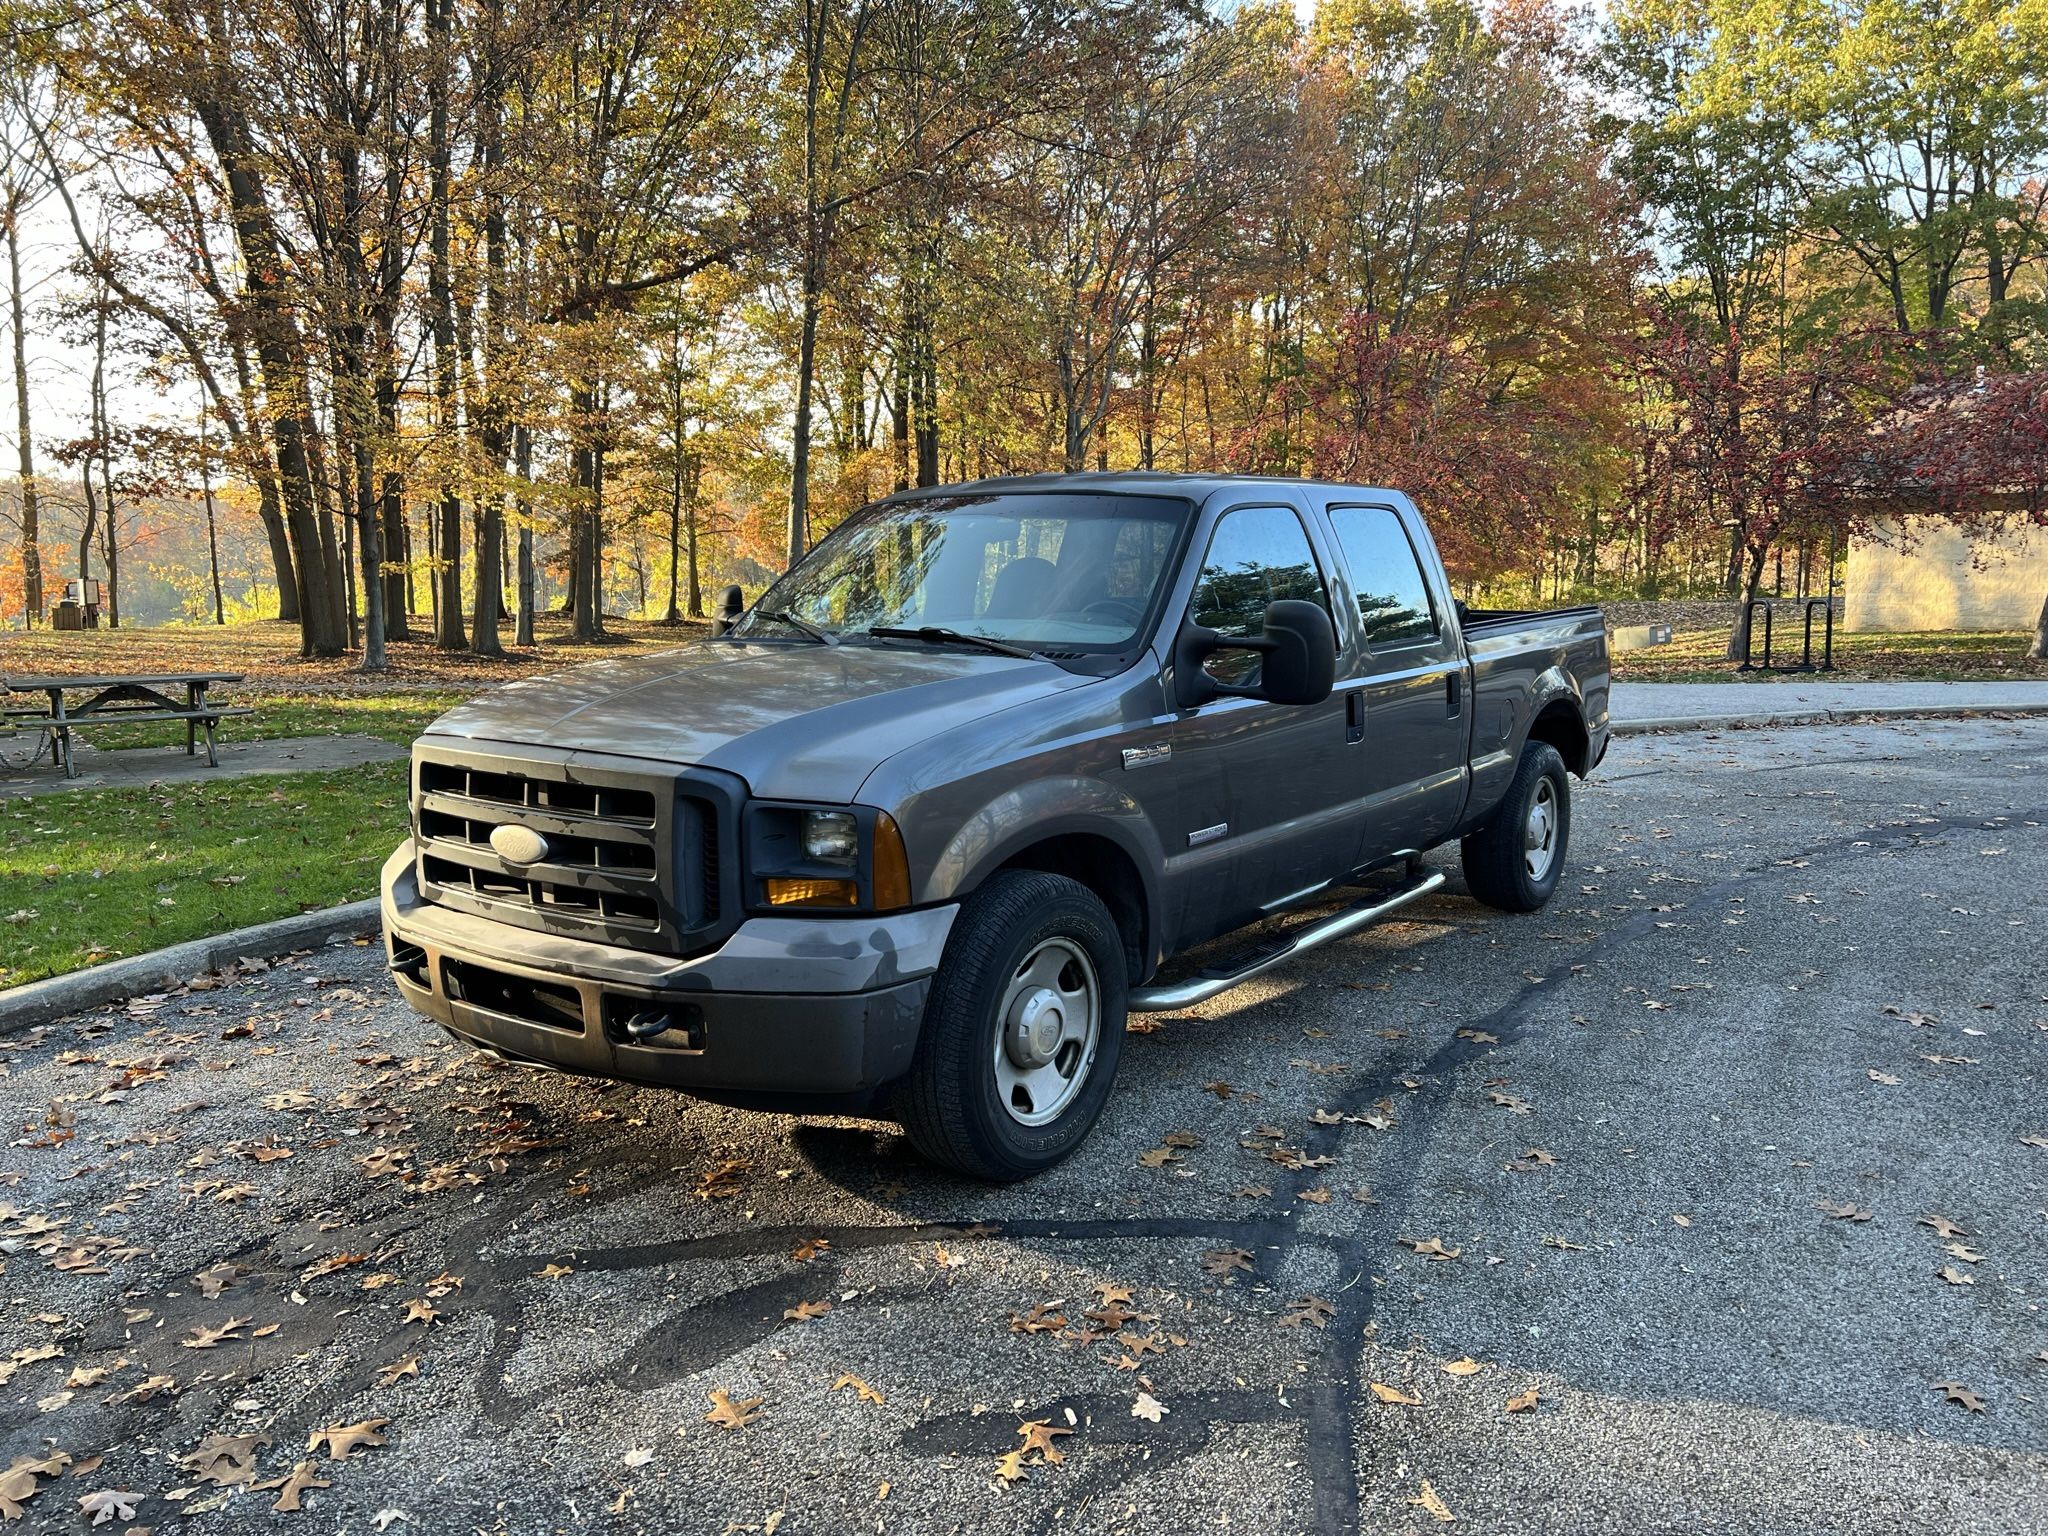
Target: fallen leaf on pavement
x=1010, y=1467
x=1039, y=1435
x=1312, y=1310
x=1955, y=1392
x=228, y=1460
x=806, y=1311
x=390, y=1375
x=861, y=1389
x=1428, y=1500
x=809, y=1249
x=1955, y=1276
x=303, y=1476
x=1149, y=1408
x=1522, y=1402
x=209, y=1338
x=1844, y=1211
x=728, y=1414
x=18, y=1483
x=1430, y=1248
x=1465, y=1367
x=1531, y=1160
x=1221, y=1261
x=344, y=1439
x=1387, y=1394
x=1509, y=1102
x=109, y=1504
x=1943, y=1227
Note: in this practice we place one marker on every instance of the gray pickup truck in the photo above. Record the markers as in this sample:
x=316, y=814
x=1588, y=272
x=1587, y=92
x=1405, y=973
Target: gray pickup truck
x=917, y=831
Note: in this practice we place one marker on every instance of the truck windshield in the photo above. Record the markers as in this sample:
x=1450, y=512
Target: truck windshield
x=1047, y=571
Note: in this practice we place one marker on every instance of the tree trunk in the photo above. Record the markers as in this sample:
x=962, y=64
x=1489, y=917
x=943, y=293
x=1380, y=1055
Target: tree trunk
x=1738, y=638
x=103, y=433
x=695, y=595
x=675, y=530
x=522, y=466
x=800, y=434
x=262, y=469
x=448, y=634
x=220, y=616
x=25, y=458
x=2039, y=652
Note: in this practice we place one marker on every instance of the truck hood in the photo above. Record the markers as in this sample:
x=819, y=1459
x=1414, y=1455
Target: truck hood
x=797, y=722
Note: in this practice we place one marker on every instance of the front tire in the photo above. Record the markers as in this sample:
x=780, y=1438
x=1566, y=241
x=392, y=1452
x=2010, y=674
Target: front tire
x=1514, y=861
x=1022, y=1031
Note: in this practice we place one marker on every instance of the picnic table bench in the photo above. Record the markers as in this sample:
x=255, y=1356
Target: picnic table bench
x=128, y=699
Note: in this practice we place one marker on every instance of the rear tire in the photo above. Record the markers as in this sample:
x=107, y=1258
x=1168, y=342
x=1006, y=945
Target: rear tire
x=1514, y=861
x=1022, y=1031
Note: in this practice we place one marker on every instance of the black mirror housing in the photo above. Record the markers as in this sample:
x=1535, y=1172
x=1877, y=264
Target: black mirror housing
x=731, y=604
x=1299, y=647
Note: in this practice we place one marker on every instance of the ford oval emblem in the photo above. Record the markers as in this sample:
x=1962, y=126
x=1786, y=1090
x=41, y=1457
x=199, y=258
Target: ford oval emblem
x=518, y=845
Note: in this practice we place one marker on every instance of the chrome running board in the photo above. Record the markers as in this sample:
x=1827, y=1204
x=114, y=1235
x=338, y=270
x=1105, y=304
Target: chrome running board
x=1283, y=947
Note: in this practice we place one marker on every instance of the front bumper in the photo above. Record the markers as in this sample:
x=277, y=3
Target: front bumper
x=807, y=1012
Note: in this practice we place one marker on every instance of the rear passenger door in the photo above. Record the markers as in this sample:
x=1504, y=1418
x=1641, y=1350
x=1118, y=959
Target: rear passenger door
x=1416, y=712
x=1269, y=789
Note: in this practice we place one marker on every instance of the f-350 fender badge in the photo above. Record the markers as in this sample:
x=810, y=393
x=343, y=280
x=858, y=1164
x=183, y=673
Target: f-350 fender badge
x=1145, y=757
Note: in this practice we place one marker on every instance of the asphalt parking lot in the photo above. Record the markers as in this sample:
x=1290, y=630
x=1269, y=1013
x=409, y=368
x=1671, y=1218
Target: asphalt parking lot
x=1714, y=1198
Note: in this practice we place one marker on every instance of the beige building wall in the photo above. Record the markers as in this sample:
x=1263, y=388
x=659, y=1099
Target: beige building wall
x=1932, y=582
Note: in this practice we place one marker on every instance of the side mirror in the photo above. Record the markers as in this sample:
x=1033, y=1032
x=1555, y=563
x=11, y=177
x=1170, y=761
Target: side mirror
x=1298, y=649
x=731, y=604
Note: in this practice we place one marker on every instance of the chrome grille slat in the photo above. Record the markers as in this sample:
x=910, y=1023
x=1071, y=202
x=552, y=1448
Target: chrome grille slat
x=540, y=820
x=618, y=882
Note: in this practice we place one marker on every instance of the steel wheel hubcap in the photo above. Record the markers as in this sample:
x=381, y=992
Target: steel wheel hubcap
x=1050, y=1025
x=1539, y=833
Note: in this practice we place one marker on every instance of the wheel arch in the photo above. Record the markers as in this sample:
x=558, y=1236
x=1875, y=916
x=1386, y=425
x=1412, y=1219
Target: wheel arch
x=1560, y=722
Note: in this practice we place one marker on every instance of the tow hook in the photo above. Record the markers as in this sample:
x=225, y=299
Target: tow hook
x=650, y=1022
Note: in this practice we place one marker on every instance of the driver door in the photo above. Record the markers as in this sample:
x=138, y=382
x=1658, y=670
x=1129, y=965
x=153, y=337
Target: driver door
x=1270, y=789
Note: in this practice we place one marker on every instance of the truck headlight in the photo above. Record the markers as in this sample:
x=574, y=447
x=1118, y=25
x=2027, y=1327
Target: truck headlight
x=848, y=857
x=831, y=837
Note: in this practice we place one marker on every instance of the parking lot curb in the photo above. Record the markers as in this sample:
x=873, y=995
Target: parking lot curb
x=1759, y=719
x=38, y=1002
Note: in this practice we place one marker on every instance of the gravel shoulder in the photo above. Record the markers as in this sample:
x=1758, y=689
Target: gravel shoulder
x=1789, y=973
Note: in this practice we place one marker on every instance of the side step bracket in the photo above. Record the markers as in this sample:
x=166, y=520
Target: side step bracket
x=1281, y=948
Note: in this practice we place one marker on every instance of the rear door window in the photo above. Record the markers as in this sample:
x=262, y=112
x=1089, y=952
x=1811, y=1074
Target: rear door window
x=1393, y=597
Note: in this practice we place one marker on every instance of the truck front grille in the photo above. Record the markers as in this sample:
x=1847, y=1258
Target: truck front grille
x=630, y=858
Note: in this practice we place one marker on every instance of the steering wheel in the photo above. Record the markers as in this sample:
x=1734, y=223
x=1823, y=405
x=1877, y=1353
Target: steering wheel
x=1129, y=613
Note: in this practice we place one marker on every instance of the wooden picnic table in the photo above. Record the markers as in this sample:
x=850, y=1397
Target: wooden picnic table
x=124, y=699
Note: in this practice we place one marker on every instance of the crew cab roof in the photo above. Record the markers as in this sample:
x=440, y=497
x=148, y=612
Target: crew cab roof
x=1139, y=482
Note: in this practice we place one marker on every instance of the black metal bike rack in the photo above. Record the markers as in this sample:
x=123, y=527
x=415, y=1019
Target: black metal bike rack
x=1805, y=663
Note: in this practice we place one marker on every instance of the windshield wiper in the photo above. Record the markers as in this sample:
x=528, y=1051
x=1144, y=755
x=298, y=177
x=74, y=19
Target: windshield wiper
x=805, y=626
x=935, y=635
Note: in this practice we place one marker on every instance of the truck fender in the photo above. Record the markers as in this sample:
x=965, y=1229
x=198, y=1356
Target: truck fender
x=1041, y=811
x=1554, y=685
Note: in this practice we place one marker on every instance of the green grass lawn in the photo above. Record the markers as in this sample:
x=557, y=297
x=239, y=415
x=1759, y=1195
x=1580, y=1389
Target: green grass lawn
x=92, y=875
x=95, y=874
x=1699, y=656
x=397, y=717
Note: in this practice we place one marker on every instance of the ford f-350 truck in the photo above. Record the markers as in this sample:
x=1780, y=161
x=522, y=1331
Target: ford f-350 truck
x=912, y=836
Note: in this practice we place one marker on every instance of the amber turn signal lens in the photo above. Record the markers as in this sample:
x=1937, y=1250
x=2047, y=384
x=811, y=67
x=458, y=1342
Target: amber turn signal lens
x=892, y=865
x=812, y=893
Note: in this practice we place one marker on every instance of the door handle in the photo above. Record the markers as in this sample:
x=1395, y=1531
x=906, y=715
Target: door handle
x=1354, y=716
x=1454, y=703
